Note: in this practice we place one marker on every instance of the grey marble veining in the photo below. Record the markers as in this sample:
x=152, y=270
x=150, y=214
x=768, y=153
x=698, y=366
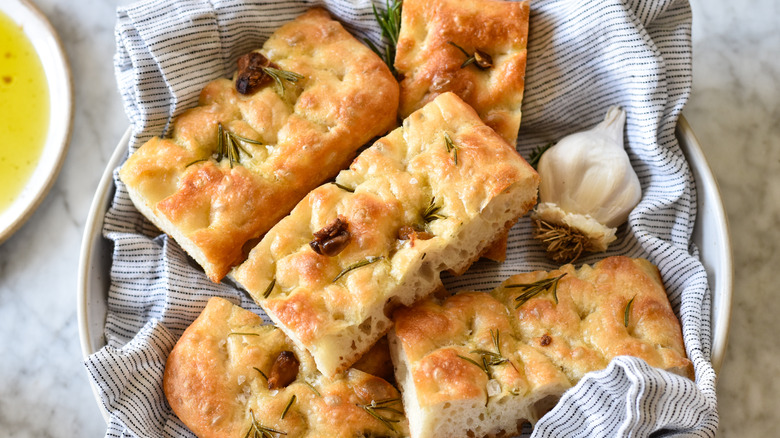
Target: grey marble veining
x=734, y=110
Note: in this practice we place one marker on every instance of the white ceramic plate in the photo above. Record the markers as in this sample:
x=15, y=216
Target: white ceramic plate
x=710, y=235
x=55, y=65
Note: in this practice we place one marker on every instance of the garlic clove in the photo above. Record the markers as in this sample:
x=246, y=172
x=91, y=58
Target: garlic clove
x=590, y=173
x=588, y=188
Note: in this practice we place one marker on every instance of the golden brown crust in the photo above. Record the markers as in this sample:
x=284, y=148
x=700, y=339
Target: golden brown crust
x=212, y=382
x=545, y=347
x=346, y=97
x=430, y=65
x=475, y=197
x=586, y=328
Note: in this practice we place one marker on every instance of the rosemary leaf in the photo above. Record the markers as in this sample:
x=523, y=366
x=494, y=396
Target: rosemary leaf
x=269, y=289
x=196, y=161
x=536, y=155
x=243, y=334
x=482, y=60
x=229, y=144
x=390, y=23
x=258, y=428
x=531, y=290
x=281, y=76
x=628, y=311
x=313, y=388
x=220, y=141
x=356, y=265
x=431, y=213
x=451, y=147
x=469, y=57
x=343, y=187
x=287, y=408
x=382, y=405
x=261, y=373
x=468, y=359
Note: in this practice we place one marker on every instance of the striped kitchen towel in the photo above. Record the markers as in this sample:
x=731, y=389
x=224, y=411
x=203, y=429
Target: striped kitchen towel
x=584, y=56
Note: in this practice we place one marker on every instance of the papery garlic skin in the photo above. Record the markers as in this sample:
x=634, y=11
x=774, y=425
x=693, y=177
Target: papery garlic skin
x=588, y=185
x=589, y=173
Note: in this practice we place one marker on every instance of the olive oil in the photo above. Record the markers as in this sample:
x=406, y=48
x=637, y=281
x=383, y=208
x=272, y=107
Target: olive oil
x=24, y=110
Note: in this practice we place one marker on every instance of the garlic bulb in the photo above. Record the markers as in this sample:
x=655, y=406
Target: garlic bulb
x=587, y=190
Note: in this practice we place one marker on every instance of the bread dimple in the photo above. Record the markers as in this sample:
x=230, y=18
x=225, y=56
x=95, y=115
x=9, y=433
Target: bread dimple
x=430, y=65
x=530, y=350
x=214, y=383
x=471, y=192
x=308, y=132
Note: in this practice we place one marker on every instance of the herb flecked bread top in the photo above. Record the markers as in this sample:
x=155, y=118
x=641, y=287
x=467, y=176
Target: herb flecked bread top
x=240, y=161
x=430, y=196
x=231, y=376
x=430, y=57
x=507, y=356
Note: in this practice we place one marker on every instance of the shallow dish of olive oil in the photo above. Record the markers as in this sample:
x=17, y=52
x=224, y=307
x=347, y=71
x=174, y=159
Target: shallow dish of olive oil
x=35, y=111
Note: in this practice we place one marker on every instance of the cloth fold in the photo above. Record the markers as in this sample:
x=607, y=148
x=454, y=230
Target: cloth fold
x=583, y=57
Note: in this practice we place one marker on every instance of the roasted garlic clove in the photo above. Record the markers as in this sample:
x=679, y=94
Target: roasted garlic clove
x=588, y=188
x=283, y=371
x=331, y=239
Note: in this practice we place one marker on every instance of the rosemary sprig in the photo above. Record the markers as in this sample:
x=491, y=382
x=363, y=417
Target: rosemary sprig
x=562, y=243
x=289, y=404
x=481, y=59
x=431, y=213
x=360, y=264
x=261, y=373
x=343, y=187
x=390, y=23
x=493, y=358
x=451, y=147
x=377, y=410
x=281, y=76
x=229, y=144
x=536, y=155
x=259, y=430
x=628, y=311
x=531, y=290
x=269, y=289
x=489, y=358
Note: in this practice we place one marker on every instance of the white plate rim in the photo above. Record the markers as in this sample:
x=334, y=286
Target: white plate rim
x=47, y=44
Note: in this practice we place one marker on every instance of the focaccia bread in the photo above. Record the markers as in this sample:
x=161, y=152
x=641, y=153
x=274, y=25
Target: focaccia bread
x=428, y=197
x=218, y=375
x=240, y=161
x=462, y=371
x=430, y=57
x=616, y=307
x=480, y=364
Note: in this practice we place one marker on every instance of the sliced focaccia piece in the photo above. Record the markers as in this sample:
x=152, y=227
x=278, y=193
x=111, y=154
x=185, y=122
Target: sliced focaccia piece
x=240, y=161
x=481, y=364
x=428, y=197
x=474, y=48
x=462, y=372
x=231, y=376
x=582, y=318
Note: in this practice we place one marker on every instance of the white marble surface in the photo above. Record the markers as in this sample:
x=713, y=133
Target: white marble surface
x=734, y=110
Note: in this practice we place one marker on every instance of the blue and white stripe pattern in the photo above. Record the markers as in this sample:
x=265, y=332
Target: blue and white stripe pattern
x=583, y=57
